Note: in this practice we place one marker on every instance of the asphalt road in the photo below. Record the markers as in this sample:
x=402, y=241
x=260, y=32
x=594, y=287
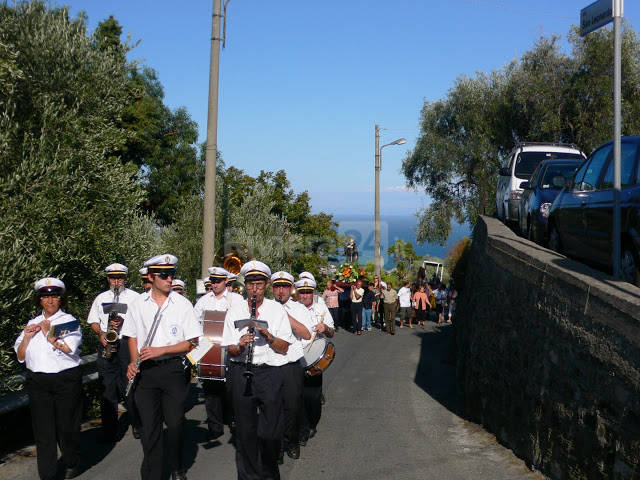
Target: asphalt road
x=390, y=412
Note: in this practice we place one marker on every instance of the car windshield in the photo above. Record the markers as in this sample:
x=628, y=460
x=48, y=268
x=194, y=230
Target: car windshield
x=565, y=170
x=528, y=161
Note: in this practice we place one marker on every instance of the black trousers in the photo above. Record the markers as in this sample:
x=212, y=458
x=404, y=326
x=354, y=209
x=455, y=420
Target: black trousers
x=113, y=377
x=293, y=374
x=356, y=315
x=312, y=403
x=335, y=315
x=160, y=395
x=215, y=393
x=55, y=400
x=258, y=436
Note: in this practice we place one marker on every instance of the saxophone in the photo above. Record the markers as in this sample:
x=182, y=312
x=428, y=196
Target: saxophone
x=249, y=370
x=113, y=329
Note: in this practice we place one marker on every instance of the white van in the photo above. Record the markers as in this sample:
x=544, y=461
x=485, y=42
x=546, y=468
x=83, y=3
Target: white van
x=517, y=168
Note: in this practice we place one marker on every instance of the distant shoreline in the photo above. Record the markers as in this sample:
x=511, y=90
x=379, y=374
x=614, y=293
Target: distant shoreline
x=393, y=227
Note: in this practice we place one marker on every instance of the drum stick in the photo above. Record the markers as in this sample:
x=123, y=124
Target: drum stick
x=313, y=338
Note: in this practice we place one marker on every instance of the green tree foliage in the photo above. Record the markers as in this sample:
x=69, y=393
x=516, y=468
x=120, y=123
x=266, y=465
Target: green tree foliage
x=161, y=143
x=544, y=96
x=266, y=235
x=68, y=206
x=455, y=262
x=405, y=258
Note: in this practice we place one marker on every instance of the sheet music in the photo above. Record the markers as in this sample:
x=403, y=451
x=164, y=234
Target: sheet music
x=204, y=345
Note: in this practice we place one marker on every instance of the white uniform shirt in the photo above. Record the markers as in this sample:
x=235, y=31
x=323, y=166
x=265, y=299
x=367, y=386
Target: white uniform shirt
x=210, y=302
x=302, y=314
x=271, y=312
x=97, y=315
x=177, y=322
x=404, y=295
x=41, y=356
x=319, y=313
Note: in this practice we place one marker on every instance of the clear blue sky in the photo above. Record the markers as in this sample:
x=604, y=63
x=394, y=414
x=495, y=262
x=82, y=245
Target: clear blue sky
x=303, y=82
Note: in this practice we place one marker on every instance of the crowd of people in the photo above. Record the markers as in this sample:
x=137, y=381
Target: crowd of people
x=358, y=307
x=266, y=395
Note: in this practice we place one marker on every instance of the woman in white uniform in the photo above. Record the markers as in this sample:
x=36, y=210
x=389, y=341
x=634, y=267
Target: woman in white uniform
x=50, y=347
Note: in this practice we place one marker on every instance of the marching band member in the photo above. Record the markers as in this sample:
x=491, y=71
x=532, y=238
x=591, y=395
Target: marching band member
x=231, y=278
x=177, y=286
x=162, y=384
x=208, y=286
x=301, y=323
x=113, y=355
x=54, y=381
x=258, y=437
x=323, y=326
x=215, y=390
x=146, y=283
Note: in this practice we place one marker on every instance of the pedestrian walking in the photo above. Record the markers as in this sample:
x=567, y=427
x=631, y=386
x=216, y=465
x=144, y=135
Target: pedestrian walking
x=404, y=299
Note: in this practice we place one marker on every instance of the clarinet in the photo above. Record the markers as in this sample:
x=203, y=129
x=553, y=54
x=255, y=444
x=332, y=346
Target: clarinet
x=249, y=370
x=147, y=342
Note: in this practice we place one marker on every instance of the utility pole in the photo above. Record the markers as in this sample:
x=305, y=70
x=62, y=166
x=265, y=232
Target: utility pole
x=377, y=259
x=209, y=210
x=618, y=6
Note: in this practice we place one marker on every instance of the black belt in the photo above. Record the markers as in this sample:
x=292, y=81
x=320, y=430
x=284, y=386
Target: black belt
x=162, y=361
x=254, y=365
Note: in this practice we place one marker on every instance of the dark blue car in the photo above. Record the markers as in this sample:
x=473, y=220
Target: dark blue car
x=539, y=193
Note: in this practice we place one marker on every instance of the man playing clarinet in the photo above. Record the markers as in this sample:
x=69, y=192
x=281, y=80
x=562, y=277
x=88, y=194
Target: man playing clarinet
x=256, y=374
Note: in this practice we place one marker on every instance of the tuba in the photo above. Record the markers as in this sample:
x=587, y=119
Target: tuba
x=233, y=262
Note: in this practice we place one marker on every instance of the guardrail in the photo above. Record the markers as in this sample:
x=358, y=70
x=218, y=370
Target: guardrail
x=14, y=400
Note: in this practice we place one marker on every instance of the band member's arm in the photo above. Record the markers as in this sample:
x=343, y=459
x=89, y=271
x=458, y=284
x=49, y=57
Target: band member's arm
x=96, y=328
x=277, y=344
x=299, y=329
x=133, y=355
x=148, y=353
x=325, y=330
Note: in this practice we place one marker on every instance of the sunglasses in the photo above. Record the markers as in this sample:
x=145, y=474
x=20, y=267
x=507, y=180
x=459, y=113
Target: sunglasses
x=217, y=280
x=166, y=274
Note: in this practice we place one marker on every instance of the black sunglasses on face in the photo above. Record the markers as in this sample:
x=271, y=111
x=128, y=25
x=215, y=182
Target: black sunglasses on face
x=166, y=274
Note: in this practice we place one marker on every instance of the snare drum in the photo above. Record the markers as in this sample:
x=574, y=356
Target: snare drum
x=213, y=366
x=317, y=357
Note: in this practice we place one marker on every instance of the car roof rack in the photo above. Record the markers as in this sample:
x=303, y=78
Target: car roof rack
x=547, y=144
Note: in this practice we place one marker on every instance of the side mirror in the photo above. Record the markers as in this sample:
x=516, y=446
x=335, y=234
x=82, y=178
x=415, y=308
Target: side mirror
x=504, y=172
x=525, y=185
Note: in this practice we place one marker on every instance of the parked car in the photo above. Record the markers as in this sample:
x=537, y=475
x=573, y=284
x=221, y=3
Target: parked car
x=580, y=221
x=518, y=167
x=549, y=177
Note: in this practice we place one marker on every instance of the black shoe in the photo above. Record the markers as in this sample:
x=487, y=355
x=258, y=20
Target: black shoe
x=322, y=399
x=312, y=433
x=178, y=475
x=304, y=436
x=136, y=432
x=294, y=452
x=72, y=472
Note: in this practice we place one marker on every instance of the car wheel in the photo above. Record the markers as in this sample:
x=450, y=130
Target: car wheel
x=554, y=240
x=629, y=266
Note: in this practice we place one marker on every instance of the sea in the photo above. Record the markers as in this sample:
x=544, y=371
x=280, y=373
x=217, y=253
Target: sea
x=392, y=228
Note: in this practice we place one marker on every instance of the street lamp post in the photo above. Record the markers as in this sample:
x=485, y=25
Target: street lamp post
x=377, y=262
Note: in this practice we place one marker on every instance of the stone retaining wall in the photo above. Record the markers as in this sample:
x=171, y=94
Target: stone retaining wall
x=549, y=357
